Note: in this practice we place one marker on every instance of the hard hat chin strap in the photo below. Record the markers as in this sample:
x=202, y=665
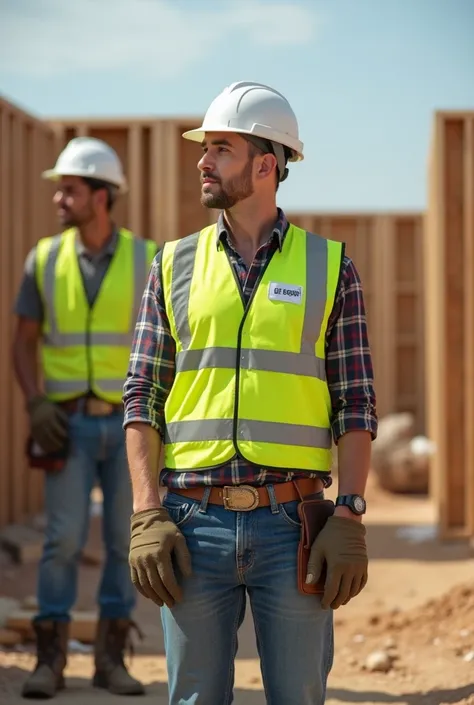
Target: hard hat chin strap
x=281, y=160
x=270, y=147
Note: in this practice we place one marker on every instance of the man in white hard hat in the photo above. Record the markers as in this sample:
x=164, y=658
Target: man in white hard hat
x=76, y=311
x=250, y=354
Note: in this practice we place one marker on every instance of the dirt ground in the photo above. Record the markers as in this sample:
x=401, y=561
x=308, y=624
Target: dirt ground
x=417, y=608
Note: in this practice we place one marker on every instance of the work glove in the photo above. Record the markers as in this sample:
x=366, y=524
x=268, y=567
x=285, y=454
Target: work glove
x=49, y=424
x=341, y=545
x=155, y=541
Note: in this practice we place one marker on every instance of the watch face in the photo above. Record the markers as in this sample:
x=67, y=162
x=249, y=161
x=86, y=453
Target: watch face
x=359, y=504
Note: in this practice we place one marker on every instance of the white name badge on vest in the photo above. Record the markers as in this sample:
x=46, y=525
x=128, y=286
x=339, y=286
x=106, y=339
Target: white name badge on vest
x=289, y=293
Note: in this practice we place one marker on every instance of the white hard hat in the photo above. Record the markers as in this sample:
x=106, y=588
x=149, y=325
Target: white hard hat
x=90, y=158
x=252, y=109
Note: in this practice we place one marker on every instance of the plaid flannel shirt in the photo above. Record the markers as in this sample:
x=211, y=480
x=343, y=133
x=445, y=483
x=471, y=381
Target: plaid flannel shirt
x=348, y=364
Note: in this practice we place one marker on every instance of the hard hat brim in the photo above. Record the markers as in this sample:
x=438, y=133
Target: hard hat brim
x=54, y=175
x=50, y=175
x=198, y=134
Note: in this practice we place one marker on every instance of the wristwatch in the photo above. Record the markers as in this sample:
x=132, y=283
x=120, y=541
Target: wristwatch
x=354, y=502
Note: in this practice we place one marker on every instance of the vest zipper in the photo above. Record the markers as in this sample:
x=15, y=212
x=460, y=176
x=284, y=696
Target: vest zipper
x=89, y=318
x=88, y=351
x=239, y=348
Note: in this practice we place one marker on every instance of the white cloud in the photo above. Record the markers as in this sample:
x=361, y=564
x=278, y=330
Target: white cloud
x=160, y=37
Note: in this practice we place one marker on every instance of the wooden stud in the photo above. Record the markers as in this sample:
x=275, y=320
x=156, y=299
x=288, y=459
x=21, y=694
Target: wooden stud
x=469, y=320
x=449, y=317
x=453, y=373
x=158, y=223
x=5, y=308
x=135, y=179
x=172, y=180
x=18, y=496
x=419, y=328
x=82, y=130
x=383, y=318
x=37, y=215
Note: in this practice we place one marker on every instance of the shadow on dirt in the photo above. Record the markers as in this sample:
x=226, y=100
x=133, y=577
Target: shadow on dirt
x=79, y=690
x=413, y=543
x=432, y=697
x=11, y=680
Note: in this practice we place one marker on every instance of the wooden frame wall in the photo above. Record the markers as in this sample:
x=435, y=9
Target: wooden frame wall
x=163, y=204
x=26, y=149
x=449, y=305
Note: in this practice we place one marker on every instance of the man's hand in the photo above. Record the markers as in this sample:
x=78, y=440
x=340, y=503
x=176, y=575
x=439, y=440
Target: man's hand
x=154, y=540
x=341, y=544
x=49, y=424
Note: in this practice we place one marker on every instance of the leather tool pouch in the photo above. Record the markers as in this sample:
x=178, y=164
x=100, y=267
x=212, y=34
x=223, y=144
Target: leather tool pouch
x=49, y=462
x=314, y=514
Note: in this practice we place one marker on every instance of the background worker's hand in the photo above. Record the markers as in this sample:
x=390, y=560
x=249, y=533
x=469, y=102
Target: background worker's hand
x=341, y=544
x=155, y=538
x=49, y=424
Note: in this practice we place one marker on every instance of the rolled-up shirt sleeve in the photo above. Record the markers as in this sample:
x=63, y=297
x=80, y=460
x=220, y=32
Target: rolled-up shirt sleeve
x=349, y=368
x=152, y=359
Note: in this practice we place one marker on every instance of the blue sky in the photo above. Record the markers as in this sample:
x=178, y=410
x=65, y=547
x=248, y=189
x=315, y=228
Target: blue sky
x=363, y=76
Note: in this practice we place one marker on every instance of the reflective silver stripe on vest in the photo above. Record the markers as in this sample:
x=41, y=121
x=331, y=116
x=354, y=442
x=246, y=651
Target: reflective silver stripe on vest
x=205, y=430
x=266, y=360
x=183, y=268
x=316, y=292
x=63, y=340
x=247, y=430
x=304, y=363
x=76, y=386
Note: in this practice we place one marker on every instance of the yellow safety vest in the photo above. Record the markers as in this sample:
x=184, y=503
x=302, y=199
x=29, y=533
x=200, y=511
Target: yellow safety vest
x=250, y=381
x=88, y=348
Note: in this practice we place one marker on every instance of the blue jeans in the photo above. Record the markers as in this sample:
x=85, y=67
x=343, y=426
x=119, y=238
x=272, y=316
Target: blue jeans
x=97, y=452
x=235, y=554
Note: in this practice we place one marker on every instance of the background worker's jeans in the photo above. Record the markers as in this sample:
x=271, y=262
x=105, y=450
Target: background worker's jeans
x=97, y=452
x=234, y=554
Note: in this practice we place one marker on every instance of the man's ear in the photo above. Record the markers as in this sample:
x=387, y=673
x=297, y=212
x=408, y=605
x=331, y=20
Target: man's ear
x=101, y=197
x=267, y=166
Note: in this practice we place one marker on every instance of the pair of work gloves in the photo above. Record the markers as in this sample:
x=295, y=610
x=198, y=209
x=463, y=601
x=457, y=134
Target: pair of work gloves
x=48, y=424
x=156, y=541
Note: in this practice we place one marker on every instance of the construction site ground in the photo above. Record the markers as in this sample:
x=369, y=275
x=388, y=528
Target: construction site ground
x=417, y=610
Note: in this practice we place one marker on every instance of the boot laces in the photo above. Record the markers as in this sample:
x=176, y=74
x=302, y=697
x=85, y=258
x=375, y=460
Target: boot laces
x=122, y=643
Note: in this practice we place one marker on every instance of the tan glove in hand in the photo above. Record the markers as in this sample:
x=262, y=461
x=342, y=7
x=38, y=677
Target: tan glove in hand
x=49, y=424
x=155, y=538
x=341, y=544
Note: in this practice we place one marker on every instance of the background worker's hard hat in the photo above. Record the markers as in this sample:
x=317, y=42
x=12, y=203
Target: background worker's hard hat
x=90, y=158
x=252, y=109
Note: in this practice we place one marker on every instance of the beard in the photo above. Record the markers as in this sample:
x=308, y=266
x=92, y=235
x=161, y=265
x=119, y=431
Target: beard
x=69, y=219
x=225, y=196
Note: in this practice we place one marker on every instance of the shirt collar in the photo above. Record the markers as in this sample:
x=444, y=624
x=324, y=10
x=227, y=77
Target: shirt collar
x=279, y=229
x=109, y=249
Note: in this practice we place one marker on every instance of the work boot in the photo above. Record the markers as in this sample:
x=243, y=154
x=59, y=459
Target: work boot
x=51, y=654
x=110, y=672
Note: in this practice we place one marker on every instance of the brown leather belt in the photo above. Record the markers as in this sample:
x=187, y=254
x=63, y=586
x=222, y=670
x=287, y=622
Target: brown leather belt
x=90, y=406
x=244, y=498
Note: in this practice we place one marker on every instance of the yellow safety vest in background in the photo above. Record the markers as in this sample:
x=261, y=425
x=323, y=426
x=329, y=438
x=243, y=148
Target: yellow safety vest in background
x=88, y=348
x=250, y=381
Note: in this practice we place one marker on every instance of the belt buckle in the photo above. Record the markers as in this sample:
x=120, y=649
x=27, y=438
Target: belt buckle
x=240, y=498
x=98, y=407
